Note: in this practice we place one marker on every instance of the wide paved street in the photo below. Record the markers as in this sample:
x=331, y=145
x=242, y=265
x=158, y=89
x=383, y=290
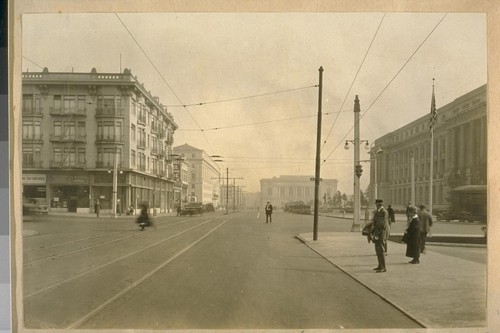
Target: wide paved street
x=203, y=272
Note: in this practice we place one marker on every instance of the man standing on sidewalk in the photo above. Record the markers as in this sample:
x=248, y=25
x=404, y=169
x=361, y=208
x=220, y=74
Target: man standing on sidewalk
x=425, y=225
x=269, y=212
x=380, y=225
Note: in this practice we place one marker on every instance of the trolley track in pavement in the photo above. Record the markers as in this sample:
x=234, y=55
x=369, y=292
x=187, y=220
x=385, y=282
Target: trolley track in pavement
x=92, y=268
x=111, y=278
x=80, y=321
x=85, y=247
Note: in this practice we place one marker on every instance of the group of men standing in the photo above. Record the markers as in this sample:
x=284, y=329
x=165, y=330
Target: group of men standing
x=418, y=227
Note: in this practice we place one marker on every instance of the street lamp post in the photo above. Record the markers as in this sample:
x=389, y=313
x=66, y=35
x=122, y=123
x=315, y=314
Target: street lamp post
x=357, y=167
x=375, y=176
x=115, y=183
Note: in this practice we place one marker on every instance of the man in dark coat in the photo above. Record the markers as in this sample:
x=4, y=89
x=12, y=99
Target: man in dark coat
x=269, y=212
x=378, y=236
x=390, y=211
x=425, y=219
x=413, y=230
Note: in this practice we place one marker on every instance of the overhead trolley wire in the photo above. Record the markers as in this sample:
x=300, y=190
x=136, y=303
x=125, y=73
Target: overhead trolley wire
x=162, y=77
x=245, y=97
x=389, y=83
x=257, y=123
x=355, y=77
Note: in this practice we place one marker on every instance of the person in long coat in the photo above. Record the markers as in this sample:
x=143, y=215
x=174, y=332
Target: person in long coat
x=413, y=230
x=425, y=219
x=379, y=234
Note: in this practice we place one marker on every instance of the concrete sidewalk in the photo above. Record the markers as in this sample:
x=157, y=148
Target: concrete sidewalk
x=440, y=292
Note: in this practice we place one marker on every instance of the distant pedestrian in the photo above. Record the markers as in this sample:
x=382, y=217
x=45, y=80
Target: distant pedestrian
x=378, y=236
x=269, y=212
x=97, y=207
x=408, y=214
x=143, y=220
x=425, y=219
x=413, y=231
x=390, y=211
x=179, y=209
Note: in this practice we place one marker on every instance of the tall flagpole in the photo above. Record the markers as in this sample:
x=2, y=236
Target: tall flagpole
x=433, y=122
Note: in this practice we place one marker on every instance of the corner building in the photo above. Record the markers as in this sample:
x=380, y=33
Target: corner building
x=203, y=176
x=74, y=126
x=459, y=161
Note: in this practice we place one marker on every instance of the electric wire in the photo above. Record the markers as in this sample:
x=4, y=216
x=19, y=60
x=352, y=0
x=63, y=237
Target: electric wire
x=33, y=62
x=162, y=77
x=256, y=123
x=244, y=97
x=354, y=80
x=389, y=83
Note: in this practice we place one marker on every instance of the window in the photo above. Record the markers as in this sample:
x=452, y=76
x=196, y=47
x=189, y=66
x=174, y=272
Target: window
x=81, y=103
x=81, y=129
x=57, y=128
x=193, y=186
x=31, y=157
x=134, y=107
x=57, y=155
x=69, y=103
x=57, y=102
x=81, y=156
x=132, y=129
x=69, y=129
x=31, y=130
x=132, y=158
x=28, y=103
x=106, y=157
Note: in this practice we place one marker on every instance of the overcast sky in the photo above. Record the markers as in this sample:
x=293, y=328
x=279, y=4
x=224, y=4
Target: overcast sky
x=226, y=60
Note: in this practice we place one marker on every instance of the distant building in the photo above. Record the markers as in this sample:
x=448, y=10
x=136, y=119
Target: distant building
x=74, y=126
x=283, y=189
x=460, y=154
x=204, y=177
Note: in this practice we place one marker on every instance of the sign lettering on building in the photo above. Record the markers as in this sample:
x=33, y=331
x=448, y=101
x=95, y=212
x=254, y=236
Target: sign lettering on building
x=34, y=179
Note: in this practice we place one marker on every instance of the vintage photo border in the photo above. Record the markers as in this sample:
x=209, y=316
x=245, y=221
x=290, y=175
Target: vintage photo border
x=20, y=7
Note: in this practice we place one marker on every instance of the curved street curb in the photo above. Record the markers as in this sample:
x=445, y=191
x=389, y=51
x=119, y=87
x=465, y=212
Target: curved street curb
x=409, y=315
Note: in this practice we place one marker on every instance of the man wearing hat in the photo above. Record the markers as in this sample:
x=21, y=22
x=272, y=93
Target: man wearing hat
x=378, y=236
x=269, y=212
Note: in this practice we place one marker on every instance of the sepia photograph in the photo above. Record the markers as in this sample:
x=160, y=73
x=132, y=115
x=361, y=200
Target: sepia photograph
x=297, y=169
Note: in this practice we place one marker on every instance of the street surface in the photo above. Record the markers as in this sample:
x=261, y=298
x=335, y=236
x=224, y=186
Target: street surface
x=203, y=272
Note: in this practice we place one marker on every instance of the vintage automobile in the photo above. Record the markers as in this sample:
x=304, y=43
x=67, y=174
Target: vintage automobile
x=192, y=208
x=209, y=207
x=35, y=206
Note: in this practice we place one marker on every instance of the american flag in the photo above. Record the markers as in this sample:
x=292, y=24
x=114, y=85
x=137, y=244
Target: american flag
x=433, y=112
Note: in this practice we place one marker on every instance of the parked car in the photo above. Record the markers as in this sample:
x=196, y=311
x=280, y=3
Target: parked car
x=35, y=206
x=192, y=208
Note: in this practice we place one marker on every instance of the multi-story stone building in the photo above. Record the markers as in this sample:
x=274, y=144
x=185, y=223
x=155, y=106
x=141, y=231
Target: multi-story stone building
x=460, y=155
x=283, y=189
x=74, y=127
x=181, y=174
x=204, y=177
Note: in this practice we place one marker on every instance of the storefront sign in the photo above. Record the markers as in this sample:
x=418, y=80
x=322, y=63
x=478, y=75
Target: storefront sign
x=70, y=179
x=34, y=179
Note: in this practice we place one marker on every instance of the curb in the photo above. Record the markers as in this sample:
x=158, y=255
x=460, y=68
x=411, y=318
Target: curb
x=409, y=315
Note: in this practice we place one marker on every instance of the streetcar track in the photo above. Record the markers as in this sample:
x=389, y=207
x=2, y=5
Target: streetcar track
x=92, y=313
x=50, y=257
x=61, y=282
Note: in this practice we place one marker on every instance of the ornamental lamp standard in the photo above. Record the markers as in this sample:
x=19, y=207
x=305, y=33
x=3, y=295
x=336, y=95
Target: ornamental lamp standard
x=115, y=182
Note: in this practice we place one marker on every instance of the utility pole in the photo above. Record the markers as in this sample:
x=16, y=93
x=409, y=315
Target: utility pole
x=318, y=159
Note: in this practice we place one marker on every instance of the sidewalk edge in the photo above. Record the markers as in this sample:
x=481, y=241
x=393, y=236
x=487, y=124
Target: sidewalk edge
x=405, y=312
